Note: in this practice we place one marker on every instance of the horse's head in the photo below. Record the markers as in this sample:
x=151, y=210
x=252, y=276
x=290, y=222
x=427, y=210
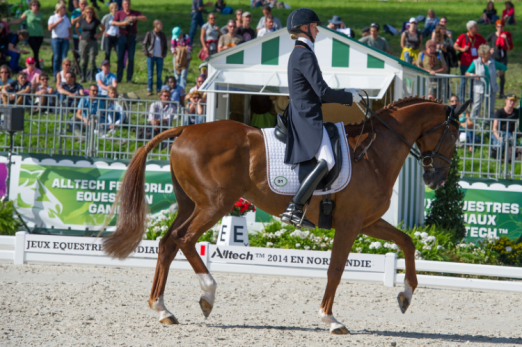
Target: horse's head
x=437, y=145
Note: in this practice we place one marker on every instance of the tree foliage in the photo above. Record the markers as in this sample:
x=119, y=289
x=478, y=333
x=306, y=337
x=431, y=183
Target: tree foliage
x=9, y=224
x=446, y=208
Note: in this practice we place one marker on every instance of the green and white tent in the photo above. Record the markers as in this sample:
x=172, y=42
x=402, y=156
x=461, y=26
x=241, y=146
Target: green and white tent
x=259, y=67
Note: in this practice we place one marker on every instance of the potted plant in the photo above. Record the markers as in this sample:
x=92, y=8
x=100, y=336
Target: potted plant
x=233, y=230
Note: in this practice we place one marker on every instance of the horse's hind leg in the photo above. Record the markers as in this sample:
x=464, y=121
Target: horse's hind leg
x=166, y=254
x=384, y=231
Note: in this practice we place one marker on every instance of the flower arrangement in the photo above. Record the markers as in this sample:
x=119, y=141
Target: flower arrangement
x=241, y=207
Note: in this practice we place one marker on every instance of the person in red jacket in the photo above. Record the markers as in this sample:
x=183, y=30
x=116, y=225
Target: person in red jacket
x=508, y=15
x=500, y=42
x=467, y=44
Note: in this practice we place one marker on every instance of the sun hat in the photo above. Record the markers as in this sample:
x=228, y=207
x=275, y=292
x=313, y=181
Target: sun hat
x=176, y=31
x=335, y=20
x=246, y=14
x=413, y=20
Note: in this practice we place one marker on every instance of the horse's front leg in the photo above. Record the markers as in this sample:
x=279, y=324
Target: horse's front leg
x=345, y=234
x=384, y=231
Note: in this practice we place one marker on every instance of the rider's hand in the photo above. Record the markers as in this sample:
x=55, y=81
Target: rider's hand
x=356, y=98
x=352, y=90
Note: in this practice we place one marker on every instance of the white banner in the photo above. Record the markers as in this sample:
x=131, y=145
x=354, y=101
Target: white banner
x=88, y=246
x=292, y=258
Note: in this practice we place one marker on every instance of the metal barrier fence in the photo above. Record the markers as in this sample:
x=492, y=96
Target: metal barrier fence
x=95, y=127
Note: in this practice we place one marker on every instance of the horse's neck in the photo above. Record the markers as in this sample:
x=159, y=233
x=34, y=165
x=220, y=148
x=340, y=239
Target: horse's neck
x=388, y=148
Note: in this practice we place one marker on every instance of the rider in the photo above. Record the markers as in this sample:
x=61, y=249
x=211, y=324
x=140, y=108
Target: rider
x=307, y=138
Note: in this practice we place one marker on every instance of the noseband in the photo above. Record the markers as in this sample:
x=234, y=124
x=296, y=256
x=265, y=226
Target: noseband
x=421, y=157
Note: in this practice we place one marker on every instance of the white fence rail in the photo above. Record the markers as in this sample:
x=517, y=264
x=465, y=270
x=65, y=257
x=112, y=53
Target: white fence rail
x=25, y=247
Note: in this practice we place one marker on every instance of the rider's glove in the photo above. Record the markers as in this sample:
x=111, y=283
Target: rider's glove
x=356, y=98
x=352, y=90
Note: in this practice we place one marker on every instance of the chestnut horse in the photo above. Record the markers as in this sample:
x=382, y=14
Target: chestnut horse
x=214, y=164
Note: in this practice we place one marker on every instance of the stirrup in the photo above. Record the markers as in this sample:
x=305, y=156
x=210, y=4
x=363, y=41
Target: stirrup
x=293, y=218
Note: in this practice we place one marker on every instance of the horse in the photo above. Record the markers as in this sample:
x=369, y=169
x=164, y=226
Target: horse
x=214, y=164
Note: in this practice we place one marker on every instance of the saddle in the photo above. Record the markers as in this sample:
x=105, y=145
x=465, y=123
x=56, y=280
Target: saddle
x=327, y=205
x=281, y=132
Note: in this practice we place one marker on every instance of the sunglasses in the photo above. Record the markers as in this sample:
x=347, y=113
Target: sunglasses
x=66, y=64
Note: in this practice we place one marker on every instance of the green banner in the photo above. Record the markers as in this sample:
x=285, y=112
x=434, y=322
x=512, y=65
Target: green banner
x=75, y=197
x=489, y=212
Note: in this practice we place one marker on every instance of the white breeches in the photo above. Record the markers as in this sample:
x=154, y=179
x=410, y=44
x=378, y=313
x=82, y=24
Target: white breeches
x=325, y=151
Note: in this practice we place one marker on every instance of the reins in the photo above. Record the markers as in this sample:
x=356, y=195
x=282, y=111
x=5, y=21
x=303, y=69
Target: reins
x=416, y=153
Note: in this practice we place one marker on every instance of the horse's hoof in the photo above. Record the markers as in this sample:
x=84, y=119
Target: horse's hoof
x=404, y=303
x=206, y=307
x=170, y=320
x=340, y=331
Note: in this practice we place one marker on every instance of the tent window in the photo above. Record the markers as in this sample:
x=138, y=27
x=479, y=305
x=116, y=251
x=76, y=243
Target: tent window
x=270, y=52
x=375, y=63
x=236, y=58
x=340, y=54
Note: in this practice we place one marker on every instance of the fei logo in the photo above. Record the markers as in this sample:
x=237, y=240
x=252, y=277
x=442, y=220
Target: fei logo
x=280, y=181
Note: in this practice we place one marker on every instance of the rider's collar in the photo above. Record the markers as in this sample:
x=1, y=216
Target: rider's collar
x=307, y=41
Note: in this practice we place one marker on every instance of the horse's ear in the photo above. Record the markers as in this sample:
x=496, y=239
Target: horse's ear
x=462, y=108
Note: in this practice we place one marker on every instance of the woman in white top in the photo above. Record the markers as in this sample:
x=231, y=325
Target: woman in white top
x=60, y=76
x=210, y=35
x=110, y=37
x=60, y=26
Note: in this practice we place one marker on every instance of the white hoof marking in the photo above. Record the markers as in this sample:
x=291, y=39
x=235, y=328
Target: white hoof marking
x=330, y=319
x=208, y=286
x=408, y=291
x=159, y=307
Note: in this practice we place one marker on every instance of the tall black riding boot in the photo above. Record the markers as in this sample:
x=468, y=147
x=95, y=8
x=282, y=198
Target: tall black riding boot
x=294, y=211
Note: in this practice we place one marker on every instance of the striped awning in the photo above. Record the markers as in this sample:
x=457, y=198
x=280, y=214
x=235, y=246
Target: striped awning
x=249, y=81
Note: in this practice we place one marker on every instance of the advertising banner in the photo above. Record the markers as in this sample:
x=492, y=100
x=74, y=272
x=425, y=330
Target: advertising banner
x=79, y=195
x=490, y=210
x=292, y=258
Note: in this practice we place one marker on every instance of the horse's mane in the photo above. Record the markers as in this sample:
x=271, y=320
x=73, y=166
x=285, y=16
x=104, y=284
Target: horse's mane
x=353, y=130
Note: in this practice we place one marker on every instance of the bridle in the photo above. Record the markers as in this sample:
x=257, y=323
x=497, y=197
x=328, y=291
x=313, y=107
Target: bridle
x=416, y=153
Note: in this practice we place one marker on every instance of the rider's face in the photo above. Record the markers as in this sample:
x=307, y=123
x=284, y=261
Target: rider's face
x=314, y=30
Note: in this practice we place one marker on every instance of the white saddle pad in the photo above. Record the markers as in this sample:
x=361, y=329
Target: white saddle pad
x=283, y=180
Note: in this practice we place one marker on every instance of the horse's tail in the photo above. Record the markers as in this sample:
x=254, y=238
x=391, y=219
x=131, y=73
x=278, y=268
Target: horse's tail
x=132, y=217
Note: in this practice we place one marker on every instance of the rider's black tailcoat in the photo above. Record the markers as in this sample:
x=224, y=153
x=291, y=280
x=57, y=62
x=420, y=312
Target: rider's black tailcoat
x=308, y=91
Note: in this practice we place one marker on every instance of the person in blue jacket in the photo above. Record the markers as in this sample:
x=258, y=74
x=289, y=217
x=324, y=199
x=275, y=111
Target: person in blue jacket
x=307, y=137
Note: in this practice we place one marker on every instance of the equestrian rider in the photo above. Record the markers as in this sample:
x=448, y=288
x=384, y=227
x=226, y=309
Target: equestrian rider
x=307, y=138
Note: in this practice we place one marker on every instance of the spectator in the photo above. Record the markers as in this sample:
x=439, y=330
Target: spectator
x=445, y=46
x=13, y=51
x=508, y=15
x=221, y=7
x=245, y=31
x=444, y=22
x=257, y=3
x=177, y=93
x=337, y=24
x=365, y=31
x=504, y=130
x=486, y=67
x=194, y=107
x=239, y=21
x=110, y=37
x=73, y=4
x=33, y=74
x=127, y=21
x=501, y=42
x=411, y=40
x=89, y=22
x=465, y=124
x=433, y=62
x=209, y=37
x=181, y=48
x=60, y=76
x=20, y=86
x=197, y=16
x=105, y=79
x=468, y=45
x=34, y=19
x=431, y=23
x=115, y=112
x=203, y=69
x=43, y=91
x=267, y=12
x=490, y=14
x=69, y=89
x=60, y=26
x=269, y=27
x=155, y=48
x=231, y=39
x=75, y=18
x=161, y=114
x=5, y=75
x=374, y=40
x=87, y=111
